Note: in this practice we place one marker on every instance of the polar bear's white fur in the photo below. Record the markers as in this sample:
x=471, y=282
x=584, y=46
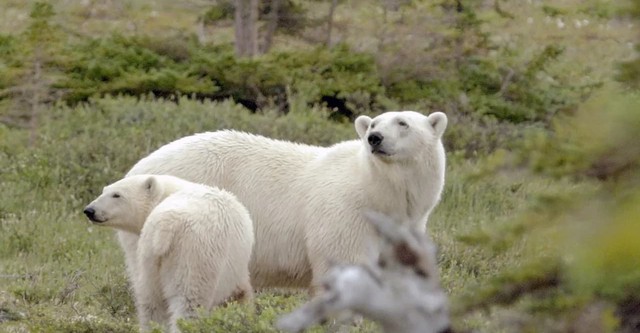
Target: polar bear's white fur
x=306, y=202
x=194, y=244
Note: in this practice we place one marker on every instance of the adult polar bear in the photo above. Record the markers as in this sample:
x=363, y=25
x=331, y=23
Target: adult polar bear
x=306, y=202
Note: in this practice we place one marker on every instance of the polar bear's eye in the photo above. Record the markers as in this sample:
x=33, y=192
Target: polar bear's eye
x=115, y=195
x=373, y=125
x=402, y=123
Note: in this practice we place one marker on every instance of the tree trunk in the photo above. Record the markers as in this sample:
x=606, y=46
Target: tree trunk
x=246, y=27
x=332, y=9
x=35, y=87
x=272, y=25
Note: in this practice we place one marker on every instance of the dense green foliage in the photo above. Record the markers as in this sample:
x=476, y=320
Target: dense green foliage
x=140, y=65
x=629, y=71
x=580, y=249
x=501, y=87
x=469, y=73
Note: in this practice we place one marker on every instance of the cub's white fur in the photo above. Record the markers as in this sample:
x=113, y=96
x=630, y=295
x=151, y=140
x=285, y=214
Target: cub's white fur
x=193, y=249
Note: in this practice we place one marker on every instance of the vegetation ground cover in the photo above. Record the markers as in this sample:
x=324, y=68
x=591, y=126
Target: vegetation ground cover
x=536, y=226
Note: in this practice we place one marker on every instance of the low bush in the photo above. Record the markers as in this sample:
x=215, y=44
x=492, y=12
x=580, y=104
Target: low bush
x=465, y=73
x=141, y=65
x=581, y=260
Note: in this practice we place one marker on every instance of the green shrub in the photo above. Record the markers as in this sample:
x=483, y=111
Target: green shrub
x=579, y=243
x=477, y=79
x=142, y=65
x=132, y=66
x=594, y=142
x=10, y=61
x=459, y=69
x=553, y=11
x=476, y=136
x=220, y=11
x=629, y=71
x=319, y=73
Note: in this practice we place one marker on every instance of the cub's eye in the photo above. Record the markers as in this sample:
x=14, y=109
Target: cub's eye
x=115, y=195
x=373, y=125
x=402, y=123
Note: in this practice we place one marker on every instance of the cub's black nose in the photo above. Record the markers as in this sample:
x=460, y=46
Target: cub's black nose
x=90, y=212
x=375, y=139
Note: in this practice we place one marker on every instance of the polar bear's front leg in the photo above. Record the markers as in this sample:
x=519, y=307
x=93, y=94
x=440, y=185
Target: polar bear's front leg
x=129, y=244
x=151, y=311
x=335, y=247
x=150, y=302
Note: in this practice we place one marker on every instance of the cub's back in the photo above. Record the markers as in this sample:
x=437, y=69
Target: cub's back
x=201, y=216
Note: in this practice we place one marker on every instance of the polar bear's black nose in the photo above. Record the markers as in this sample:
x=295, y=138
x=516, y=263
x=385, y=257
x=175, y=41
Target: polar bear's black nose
x=375, y=139
x=90, y=212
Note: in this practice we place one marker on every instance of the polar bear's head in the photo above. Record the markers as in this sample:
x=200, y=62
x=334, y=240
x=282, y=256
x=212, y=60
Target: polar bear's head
x=394, y=136
x=126, y=203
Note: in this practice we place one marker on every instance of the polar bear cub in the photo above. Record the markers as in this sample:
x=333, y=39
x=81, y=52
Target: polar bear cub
x=194, y=244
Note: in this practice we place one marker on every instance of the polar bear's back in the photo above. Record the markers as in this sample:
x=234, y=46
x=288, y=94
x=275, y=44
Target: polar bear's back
x=211, y=157
x=202, y=234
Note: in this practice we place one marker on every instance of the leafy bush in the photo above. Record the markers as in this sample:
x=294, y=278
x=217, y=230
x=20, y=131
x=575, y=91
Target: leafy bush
x=132, y=66
x=10, y=62
x=578, y=241
x=180, y=65
x=141, y=65
x=456, y=66
x=591, y=143
x=220, y=11
x=488, y=85
x=476, y=136
x=464, y=72
x=629, y=71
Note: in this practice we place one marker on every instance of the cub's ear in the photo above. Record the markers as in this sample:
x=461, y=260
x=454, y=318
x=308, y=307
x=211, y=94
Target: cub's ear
x=362, y=124
x=150, y=184
x=438, y=121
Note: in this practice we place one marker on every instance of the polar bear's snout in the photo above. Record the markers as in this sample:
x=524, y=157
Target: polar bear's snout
x=375, y=139
x=90, y=212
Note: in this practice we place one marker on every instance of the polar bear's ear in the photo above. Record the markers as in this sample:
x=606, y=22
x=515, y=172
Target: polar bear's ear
x=150, y=184
x=438, y=121
x=362, y=124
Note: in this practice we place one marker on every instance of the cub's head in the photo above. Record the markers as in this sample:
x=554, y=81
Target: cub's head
x=125, y=204
x=395, y=136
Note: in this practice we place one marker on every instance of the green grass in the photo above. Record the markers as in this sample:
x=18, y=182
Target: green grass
x=58, y=273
